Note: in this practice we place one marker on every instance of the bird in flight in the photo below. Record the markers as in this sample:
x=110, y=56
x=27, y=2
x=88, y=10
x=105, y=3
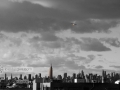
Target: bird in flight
x=73, y=24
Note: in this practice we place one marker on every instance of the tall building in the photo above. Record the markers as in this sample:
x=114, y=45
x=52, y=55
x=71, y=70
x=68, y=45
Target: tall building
x=20, y=78
x=29, y=77
x=51, y=72
x=39, y=75
x=11, y=76
x=65, y=75
x=5, y=76
x=74, y=75
x=25, y=77
x=36, y=76
x=59, y=77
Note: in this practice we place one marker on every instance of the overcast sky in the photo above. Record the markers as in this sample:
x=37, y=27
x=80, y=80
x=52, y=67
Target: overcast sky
x=39, y=32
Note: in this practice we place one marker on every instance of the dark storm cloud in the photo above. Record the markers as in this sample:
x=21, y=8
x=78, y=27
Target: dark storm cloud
x=27, y=16
x=93, y=26
x=112, y=41
x=92, y=44
x=95, y=8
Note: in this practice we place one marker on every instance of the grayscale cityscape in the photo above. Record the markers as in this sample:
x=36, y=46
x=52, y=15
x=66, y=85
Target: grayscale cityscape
x=60, y=44
x=77, y=81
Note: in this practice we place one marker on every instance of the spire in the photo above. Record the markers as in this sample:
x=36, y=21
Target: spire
x=51, y=72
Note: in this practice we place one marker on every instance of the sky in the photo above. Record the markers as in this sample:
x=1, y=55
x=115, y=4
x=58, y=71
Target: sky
x=36, y=33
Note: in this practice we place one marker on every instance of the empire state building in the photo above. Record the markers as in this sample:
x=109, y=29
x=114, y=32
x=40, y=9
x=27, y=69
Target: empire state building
x=51, y=72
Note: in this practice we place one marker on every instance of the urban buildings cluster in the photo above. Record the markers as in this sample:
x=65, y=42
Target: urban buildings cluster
x=27, y=82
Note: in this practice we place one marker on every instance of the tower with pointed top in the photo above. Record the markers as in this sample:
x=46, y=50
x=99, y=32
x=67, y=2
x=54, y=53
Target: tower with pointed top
x=51, y=72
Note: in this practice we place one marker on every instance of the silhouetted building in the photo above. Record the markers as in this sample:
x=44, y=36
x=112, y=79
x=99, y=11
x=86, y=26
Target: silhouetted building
x=29, y=77
x=51, y=72
x=74, y=75
x=25, y=77
x=36, y=76
x=65, y=75
x=11, y=76
x=59, y=77
x=39, y=75
x=5, y=76
x=20, y=77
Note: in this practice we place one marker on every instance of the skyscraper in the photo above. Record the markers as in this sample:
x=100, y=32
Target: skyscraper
x=51, y=72
x=39, y=75
x=74, y=75
x=25, y=77
x=65, y=75
x=11, y=76
x=29, y=77
x=5, y=76
x=20, y=78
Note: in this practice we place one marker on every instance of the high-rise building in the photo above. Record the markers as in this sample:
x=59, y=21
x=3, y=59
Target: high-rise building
x=11, y=76
x=29, y=77
x=65, y=75
x=59, y=77
x=25, y=77
x=74, y=75
x=39, y=75
x=20, y=77
x=33, y=78
x=36, y=76
x=82, y=73
x=5, y=76
x=51, y=72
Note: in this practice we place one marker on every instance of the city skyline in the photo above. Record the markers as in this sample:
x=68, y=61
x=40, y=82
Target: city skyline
x=36, y=33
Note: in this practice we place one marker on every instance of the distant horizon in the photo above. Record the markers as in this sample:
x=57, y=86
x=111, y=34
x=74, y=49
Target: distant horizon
x=62, y=74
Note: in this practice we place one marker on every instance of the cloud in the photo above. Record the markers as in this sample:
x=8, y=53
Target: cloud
x=59, y=62
x=88, y=9
x=94, y=25
x=53, y=45
x=38, y=65
x=48, y=36
x=92, y=44
x=92, y=57
x=25, y=16
x=99, y=67
x=73, y=65
x=12, y=63
x=112, y=41
x=115, y=66
x=37, y=51
x=35, y=17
